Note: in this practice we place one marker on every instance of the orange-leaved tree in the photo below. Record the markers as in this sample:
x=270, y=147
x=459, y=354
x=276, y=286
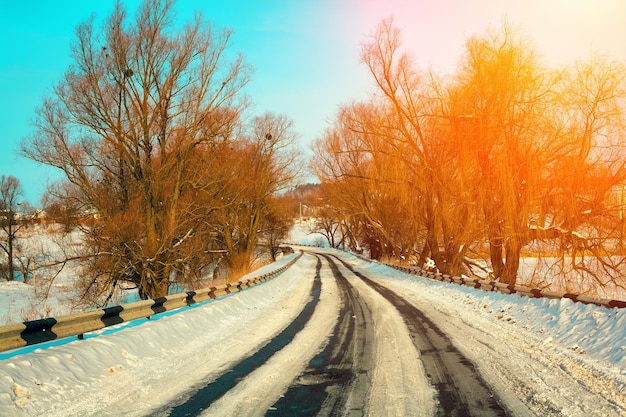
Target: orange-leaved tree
x=126, y=126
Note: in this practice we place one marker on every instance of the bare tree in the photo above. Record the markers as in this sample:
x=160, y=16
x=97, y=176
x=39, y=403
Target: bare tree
x=366, y=179
x=396, y=149
x=262, y=165
x=328, y=223
x=126, y=126
x=276, y=225
x=10, y=223
x=504, y=155
x=503, y=92
x=581, y=209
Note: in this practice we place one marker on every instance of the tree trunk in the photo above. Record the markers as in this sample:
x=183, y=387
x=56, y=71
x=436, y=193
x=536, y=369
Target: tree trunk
x=495, y=255
x=513, y=251
x=10, y=238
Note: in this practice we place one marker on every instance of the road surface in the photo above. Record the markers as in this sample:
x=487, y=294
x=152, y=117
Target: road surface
x=377, y=354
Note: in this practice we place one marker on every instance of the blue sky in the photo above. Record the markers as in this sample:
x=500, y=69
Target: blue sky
x=305, y=52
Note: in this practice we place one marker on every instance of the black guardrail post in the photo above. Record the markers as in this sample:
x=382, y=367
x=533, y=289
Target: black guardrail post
x=39, y=331
x=112, y=316
x=158, y=306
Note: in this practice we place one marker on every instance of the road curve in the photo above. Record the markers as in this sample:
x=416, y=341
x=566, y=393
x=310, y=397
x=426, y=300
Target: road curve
x=461, y=391
x=357, y=348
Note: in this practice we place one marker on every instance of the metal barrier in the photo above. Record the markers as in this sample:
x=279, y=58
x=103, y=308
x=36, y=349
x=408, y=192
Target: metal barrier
x=504, y=288
x=32, y=332
x=510, y=289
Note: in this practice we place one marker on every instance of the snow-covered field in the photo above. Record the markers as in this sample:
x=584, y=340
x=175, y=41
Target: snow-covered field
x=554, y=357
x=41, y=296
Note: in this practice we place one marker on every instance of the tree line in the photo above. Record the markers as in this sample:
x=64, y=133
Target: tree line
x=472, y=170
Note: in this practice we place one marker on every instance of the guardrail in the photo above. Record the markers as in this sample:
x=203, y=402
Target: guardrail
x=510, y=289
x=32, y=332
x=501, y=287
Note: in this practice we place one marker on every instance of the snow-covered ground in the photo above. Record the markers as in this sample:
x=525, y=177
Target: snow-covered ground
x=136, y=360
x=554, y=357
x=43, y=296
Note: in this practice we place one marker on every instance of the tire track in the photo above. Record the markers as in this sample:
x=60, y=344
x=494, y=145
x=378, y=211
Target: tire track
x=204, y=396
x=461, y=390
x=336, y=381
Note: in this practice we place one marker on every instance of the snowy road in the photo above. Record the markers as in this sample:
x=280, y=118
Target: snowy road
x=333, y=335
x=336, y=379
x=342, y=377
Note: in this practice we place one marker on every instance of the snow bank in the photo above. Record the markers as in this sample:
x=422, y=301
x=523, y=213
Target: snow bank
x=135, y=360
x=586, y=329
x=554, y=357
